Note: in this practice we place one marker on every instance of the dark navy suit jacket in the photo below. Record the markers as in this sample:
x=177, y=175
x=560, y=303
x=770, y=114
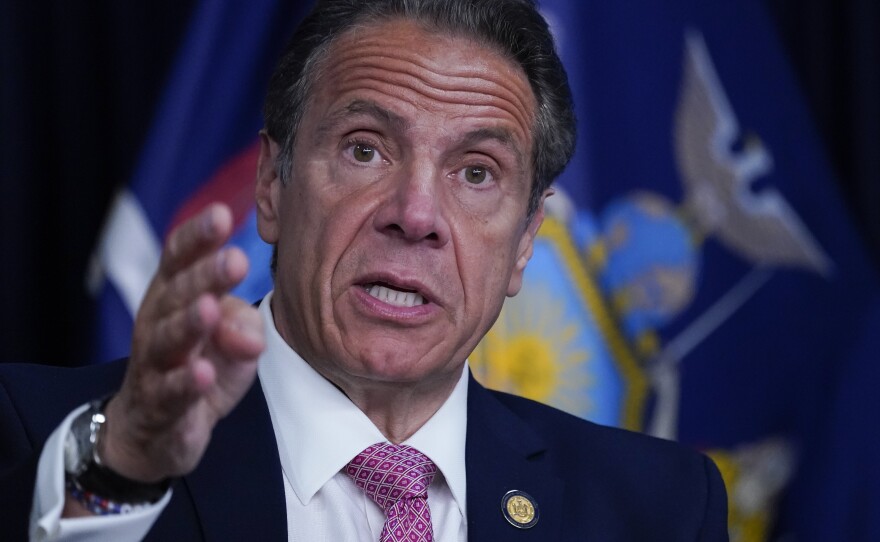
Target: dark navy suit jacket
x=591, y=483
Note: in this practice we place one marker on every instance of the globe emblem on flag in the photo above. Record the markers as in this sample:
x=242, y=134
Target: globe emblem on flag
x=651, y=266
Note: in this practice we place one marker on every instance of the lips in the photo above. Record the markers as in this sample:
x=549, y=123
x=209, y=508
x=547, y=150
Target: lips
x=399, y=297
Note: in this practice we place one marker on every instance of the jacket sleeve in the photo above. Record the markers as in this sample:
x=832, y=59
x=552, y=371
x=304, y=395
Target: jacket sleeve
x=19, y=456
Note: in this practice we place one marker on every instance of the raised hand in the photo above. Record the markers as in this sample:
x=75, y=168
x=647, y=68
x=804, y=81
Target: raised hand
x=194, y=354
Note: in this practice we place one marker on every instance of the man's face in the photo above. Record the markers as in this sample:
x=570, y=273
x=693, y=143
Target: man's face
x=404, y=224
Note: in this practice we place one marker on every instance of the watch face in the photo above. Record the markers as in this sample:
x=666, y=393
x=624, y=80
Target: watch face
x=78, y=443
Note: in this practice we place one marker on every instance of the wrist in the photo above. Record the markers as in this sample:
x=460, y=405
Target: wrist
x=91, y=482
x=123, y=450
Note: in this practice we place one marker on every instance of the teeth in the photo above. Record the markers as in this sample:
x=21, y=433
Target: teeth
x=395, y=297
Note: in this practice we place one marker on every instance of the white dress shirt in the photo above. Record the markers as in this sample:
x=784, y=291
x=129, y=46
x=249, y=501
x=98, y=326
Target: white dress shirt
x=318, y=431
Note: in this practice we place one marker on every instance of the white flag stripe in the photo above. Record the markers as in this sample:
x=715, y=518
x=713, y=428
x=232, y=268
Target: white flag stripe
x=129, y=250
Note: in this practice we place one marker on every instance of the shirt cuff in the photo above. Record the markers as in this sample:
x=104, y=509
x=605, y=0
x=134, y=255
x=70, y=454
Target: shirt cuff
x=46, y=522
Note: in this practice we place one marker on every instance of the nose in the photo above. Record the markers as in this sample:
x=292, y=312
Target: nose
x=413, y=209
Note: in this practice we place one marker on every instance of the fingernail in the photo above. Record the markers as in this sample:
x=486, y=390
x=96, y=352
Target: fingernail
x=249, y=331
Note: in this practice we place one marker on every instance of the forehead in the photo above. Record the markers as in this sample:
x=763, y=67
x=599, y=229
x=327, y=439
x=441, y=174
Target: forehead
x=425, y=71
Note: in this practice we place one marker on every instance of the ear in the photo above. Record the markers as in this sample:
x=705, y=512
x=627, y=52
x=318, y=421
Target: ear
x=527, y=246
x=268, y=189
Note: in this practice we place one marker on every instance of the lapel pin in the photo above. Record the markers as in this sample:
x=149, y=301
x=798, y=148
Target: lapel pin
x=519, y=509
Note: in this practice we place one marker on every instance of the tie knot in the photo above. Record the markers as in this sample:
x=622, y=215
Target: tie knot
x=389, y=473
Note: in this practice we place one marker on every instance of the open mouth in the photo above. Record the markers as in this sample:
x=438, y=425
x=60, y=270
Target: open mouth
x=393, y=295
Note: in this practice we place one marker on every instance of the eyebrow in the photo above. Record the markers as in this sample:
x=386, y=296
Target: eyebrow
x=367, y=108
x=501, y=135
x=497, y=134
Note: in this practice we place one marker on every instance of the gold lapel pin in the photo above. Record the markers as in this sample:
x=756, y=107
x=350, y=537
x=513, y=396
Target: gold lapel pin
x=519, y=509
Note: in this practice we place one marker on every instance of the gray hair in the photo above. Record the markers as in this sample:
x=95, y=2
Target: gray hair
x=512, y=27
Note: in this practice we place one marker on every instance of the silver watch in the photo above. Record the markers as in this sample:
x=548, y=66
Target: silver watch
x=81, y=445
x=84, y=469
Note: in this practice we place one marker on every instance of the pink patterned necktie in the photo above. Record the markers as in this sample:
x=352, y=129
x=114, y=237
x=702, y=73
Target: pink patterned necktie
x=397, y=479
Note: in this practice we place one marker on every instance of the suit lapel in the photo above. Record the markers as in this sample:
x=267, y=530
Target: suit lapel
x=238, y=489
x=503, y=453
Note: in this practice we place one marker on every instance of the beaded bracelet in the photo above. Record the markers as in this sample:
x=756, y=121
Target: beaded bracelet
x=97, y=504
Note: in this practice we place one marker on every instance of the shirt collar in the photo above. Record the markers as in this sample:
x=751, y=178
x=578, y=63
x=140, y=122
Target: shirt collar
x=319, y=430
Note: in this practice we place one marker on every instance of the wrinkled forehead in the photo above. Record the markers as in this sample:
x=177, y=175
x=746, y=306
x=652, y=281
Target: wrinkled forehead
x=424, y=29
x=426, y=44
x=434, y=71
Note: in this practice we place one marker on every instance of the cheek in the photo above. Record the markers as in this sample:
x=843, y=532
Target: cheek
x=307, y=207
x=485, y=267
x=302, y=242
x=325, y=233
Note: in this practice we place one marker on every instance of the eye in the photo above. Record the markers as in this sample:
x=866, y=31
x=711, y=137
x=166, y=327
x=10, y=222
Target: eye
x=475, y=174
x=363, y=153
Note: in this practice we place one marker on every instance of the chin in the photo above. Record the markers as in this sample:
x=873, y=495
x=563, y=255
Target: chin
x=397, y=366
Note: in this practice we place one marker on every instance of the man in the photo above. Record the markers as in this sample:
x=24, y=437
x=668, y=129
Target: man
x=408, y=150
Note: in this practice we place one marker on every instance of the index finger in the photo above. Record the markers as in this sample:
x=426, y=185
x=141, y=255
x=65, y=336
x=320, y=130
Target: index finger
x=196, y=237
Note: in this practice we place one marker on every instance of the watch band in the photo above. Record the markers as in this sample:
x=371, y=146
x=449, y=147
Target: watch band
x=96, y=482
x=99, y=505
x=109, y=484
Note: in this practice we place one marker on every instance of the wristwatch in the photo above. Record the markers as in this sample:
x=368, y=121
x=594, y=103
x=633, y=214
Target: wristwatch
x=90, y=480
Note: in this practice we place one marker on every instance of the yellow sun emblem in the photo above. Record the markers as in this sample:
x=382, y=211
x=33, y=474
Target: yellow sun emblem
x=531, y=351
